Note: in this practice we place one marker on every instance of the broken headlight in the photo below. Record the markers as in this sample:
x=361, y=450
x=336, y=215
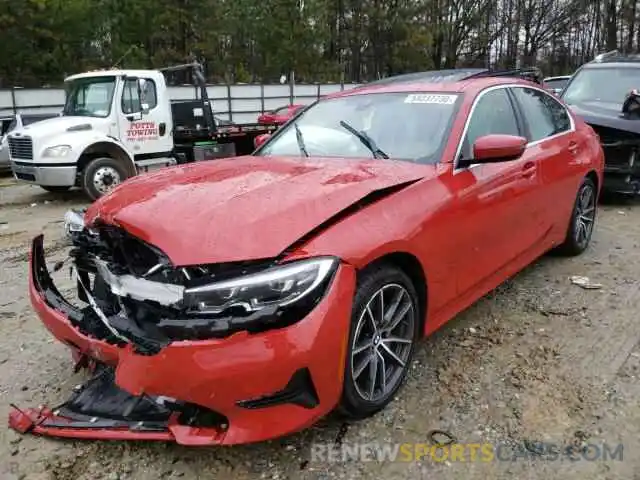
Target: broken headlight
x=73, y=222
x=278, y=286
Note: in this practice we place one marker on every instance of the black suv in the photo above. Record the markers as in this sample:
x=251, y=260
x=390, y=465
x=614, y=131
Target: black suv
x=606, y=94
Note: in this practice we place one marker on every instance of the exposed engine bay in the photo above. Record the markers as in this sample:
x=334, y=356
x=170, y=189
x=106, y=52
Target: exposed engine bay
x=134, y=295
x=131, y=296
x=622, y=158
x=619, y=133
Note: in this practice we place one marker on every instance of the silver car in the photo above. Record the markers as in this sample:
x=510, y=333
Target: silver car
x=555, y=85
x=8, y=124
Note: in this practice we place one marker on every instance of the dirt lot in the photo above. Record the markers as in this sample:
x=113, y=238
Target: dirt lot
x=539, y=360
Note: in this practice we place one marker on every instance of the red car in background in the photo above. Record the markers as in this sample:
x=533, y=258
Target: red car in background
x=279, y=115
x=243, y=299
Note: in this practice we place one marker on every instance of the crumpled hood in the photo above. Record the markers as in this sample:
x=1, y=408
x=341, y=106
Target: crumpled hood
x=243, y=208
x=605, y=114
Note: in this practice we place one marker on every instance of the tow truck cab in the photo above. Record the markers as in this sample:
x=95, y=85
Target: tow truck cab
x=118, y=123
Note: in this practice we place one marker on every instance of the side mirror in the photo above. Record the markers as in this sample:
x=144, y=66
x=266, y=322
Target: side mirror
x=498, y=148
x=144, y=106
x=260, y=139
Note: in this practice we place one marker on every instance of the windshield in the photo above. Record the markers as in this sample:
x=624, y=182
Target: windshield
x=404, y=126
x=89, y=97
x=602, y=84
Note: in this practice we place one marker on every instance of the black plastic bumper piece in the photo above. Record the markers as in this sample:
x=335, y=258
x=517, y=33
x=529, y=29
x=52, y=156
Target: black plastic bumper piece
x=299, y=391
x=100, y=397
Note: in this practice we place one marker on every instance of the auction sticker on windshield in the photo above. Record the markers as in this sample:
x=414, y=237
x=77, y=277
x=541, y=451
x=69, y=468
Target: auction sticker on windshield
x=431, y=98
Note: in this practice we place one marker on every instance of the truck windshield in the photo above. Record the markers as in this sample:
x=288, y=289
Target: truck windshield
x=404, y=126
x=89, y=97
x=602, y=84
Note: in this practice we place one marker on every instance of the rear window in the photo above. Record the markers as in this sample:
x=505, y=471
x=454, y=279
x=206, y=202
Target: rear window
x=559, y=83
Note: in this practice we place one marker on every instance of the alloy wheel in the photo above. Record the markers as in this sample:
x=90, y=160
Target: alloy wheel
x=382, y=342
x=585, y=215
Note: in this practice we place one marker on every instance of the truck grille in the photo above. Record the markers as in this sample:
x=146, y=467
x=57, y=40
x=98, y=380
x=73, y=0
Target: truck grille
x=21, y=148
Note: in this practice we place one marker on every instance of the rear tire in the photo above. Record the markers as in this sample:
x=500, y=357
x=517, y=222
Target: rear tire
x=102, y=175
x=388, y=348
x=55, y=189
x=582, y=221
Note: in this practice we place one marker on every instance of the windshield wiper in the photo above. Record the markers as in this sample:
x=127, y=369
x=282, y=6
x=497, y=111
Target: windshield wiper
x=366, y=140
x=300, y=140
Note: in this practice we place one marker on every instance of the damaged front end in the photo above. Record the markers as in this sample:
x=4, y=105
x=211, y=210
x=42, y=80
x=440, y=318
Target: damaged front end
x=622, y=159
x=136, y=308
x=619, y=132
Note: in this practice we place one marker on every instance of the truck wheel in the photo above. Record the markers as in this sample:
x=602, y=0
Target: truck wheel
x=102, y=175
x=55, y=189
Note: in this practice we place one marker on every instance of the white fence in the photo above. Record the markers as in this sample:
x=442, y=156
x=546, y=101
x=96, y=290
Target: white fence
x=240, y=103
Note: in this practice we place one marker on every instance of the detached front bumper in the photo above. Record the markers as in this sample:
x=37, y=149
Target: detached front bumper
x=63, y=175
x=261, y=385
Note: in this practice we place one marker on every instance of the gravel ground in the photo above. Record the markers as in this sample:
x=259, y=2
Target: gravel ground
x=538, y=360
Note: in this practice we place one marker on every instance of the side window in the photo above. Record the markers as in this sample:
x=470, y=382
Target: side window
x=130, y=98
x=561, y=119
x=150, y=94
x=544, y=115
x=493, y=114
x=131, y=102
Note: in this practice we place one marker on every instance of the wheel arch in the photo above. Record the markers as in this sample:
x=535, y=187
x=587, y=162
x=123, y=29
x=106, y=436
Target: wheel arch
x=106, y=149
x=412, y=267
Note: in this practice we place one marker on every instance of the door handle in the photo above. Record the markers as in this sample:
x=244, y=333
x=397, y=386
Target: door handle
x=162, y=129
x=573, y=148
x=529, y=170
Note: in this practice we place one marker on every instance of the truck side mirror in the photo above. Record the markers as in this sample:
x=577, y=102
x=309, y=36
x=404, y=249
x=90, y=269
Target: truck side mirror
x=144, y=106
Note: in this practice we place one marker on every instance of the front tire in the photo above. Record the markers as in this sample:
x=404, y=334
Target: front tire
x=582, y=221
x=102, y=175
x=385, y=326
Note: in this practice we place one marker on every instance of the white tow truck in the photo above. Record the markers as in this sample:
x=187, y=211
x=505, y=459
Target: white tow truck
x=118, y=123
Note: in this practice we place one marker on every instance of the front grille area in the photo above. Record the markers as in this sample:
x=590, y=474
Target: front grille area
x=21, y=148
x=620, y=147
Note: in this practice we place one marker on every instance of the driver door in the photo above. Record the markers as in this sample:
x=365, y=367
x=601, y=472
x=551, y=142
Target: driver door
x=146, y=135
x=494, y=205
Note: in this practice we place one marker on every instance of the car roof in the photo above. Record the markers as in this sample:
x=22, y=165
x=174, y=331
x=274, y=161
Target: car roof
x=449, y=81
x=625, y=64
x=615, y=58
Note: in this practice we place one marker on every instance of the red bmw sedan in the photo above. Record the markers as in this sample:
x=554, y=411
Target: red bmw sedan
x=243, y=299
